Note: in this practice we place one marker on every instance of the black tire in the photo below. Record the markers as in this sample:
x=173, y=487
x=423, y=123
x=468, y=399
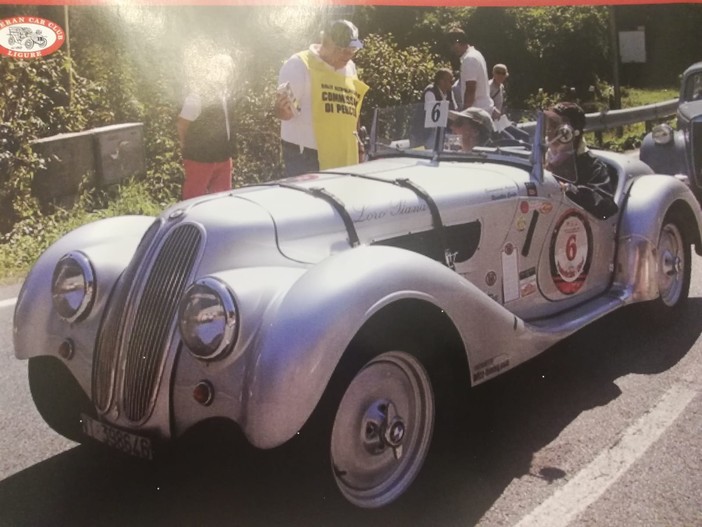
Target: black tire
x=419, y=354
x=58, y=397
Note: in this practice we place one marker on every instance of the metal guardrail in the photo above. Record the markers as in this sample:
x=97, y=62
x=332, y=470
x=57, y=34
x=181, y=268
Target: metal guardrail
x=608, y=119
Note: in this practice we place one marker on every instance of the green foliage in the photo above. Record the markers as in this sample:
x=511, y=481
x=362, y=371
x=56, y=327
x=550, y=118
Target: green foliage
x=40, y=98
x=20, y=248
x=397, y=76
x=258, y=135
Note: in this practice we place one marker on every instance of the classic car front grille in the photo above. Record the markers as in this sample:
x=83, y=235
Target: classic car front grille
x=695, y=149
x=153, y=322
x=107, y=349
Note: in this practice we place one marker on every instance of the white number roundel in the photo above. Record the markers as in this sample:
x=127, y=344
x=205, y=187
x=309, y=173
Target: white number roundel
x=571, y=252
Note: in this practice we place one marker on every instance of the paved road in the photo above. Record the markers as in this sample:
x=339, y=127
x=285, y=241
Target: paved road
x=604, y=429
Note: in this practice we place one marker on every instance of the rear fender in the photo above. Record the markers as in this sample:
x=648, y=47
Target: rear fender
x=649, y=199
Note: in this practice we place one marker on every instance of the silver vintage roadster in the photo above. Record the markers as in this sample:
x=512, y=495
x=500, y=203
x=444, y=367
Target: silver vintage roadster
x=360, y=299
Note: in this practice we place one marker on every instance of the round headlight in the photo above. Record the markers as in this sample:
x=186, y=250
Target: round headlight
x=73, y=286
x=662, y=134
x=208, y=318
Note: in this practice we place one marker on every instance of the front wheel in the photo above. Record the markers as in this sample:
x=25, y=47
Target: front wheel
x=673, y=258
x=58, y=397
x=382, y=429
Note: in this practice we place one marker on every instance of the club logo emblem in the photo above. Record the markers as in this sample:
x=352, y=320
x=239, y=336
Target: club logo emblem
x=29, y=37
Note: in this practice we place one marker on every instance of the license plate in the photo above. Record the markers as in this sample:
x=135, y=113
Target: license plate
x=132, y=444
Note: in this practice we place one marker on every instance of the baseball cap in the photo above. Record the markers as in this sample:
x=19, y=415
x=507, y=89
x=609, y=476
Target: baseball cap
x=475, y=115
x=569, y=110
x=344, y=34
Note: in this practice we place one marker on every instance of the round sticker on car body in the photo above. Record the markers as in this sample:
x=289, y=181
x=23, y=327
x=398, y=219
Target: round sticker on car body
x=571, y=252
x=29, y=37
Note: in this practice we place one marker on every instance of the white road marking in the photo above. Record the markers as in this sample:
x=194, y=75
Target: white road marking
x=592, y=482
x=8, y=303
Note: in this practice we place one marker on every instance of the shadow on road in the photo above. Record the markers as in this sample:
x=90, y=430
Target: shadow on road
x=509, y=419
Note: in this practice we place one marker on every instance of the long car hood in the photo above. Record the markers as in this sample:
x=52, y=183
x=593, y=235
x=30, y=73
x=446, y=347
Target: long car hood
x=307, y=212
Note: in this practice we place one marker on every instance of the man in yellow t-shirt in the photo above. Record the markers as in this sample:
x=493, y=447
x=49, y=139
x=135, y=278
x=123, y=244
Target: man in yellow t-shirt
x=319, y=102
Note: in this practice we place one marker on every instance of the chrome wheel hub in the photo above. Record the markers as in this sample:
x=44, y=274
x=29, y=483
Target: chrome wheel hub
x=382, y=429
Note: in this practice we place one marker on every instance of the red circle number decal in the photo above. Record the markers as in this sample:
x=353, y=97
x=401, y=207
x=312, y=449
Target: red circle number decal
x=29, y=37
x=571, y=252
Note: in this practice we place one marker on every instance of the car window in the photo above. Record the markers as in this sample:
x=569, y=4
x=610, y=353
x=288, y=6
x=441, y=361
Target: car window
x=420, y=130
x=693, y=87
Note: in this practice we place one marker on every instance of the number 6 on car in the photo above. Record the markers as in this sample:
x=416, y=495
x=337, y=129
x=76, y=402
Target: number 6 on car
x=436, y=114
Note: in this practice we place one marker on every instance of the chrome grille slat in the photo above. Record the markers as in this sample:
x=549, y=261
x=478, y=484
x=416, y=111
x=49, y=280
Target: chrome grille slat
x=107, y=348
x=155, y=314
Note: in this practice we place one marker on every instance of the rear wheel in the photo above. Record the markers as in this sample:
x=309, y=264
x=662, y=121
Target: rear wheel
x=673, y=273
x=382, y=429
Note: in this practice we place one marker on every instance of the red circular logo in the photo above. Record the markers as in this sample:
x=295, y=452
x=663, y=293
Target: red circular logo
x=29, y=37
x=571, y=252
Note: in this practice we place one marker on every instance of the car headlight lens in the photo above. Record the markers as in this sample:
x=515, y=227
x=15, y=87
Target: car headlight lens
x=662, y=134
x=208, y=319
x=73, y=286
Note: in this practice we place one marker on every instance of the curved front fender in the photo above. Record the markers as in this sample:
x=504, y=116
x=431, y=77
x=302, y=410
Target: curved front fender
x=665, y=159
x=110, y=245
x=305, y=333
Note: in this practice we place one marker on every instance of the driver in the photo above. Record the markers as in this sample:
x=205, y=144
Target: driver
x=569, y=158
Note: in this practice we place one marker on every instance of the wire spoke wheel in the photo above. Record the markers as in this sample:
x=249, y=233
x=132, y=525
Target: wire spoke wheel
x=382, y=429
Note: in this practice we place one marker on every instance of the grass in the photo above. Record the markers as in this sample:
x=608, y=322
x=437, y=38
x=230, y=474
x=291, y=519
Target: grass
x=31, y=237
x=630, y=137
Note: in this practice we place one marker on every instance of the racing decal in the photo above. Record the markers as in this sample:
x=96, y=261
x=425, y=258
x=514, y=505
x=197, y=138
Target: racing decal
x=530, y=234
x=524, y=207
x=531, y=189
x=400, y=208
x=571, y=252
x=546, y=207
x=521, y=223
x=490, y=368
x=491, y=278
x=510, y=273
x=527, y=282
x=499, y=193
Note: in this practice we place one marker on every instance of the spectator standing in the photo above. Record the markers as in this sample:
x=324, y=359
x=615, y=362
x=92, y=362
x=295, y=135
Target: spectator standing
x=474, y=78
x=319, y=102
x=206, y=131
x=439, y=90
x=497, y=86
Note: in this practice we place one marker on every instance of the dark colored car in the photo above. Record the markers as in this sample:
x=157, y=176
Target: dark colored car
x=679, y=152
